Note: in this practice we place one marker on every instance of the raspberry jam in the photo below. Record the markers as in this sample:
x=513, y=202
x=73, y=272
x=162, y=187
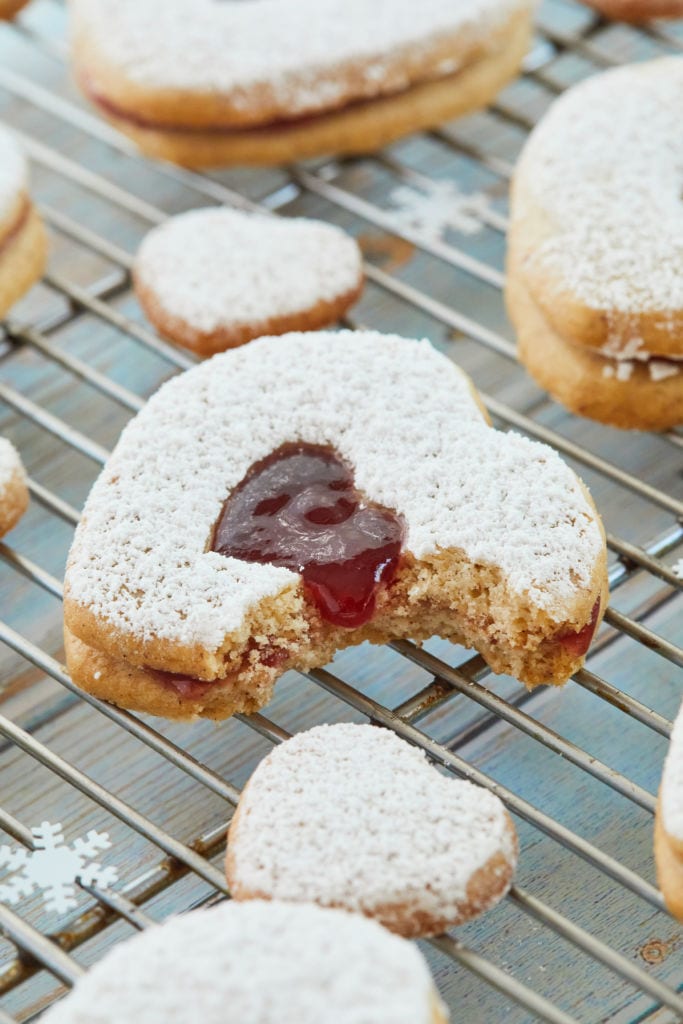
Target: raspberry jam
x=578, y=643
x=299, y=508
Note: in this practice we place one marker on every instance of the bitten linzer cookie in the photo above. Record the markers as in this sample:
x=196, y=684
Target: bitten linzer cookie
x=23, y=244
x=351, y=816
x=216, y=278
x=204, y=83
x=13, y=488
x=305, y=493
x=257, y=963
x=595, y=263
x=638, y=10
x=669, y=824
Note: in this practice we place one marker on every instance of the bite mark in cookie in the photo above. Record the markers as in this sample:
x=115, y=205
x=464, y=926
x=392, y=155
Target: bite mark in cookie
x=216, y=278
x=351, y=816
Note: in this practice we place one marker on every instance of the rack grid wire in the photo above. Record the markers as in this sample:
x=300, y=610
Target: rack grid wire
x=584, y=935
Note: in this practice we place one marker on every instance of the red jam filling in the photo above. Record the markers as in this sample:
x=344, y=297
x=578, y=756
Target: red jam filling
x=298, y=508
x=578, y=643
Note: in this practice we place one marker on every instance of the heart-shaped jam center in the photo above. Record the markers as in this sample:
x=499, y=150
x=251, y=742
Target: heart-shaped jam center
x=579, y=642
x=299, y=508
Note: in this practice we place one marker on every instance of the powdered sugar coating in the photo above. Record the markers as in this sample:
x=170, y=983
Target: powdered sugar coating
x=224, y=268
x=351, y=815
x=10, y=465
x=671, y=790
x=608, y=176
x=401, y=414
x=13, y=172
x=256, y=963
x=300, y=50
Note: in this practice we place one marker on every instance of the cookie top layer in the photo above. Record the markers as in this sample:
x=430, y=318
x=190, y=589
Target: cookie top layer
x=269, y=962
x=403, y=416
x=269, y=59
x=13, y=173
x=10, y=465
x=352, y=816
x=602, y=179
x=671, y=791
x=220, y=268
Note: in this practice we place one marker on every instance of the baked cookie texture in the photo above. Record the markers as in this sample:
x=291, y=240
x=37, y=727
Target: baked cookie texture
x=638, y=10
x=503, y=550
x=669, y=824
x=216, y=278
x=326, y=812
x=13, y=487
x=595, y=248
x=205, y=84
x=23, y=243
x=267, y=962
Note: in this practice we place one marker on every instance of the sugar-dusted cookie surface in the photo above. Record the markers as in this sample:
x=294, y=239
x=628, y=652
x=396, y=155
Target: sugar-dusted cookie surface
x=23, y=245
x=351, y=816
x=13, y=488
x=455, y=528
x=215, y=278
x=596, y=244
x=267, y=962
x=638, y=10
x=669, y=824
x=207, y=83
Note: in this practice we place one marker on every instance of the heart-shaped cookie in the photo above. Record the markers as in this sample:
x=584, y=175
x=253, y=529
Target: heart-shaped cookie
x=351, y=816
x=304, y=493
x=596, y=247
x=669, y=824
x=13, y=487
x=257, y=963
x=205, y=82
x=216, y=278
x=23, y=245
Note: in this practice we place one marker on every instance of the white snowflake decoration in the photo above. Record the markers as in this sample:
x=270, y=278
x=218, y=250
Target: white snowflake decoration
x=54, y=868
x=430, y=212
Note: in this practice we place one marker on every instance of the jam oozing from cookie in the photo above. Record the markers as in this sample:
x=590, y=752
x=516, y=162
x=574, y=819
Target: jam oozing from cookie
x=578, y=643
x=299, y=508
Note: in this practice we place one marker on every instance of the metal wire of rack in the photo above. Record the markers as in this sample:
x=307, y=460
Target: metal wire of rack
x=588, y=904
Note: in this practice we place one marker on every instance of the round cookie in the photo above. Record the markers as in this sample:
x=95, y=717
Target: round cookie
x=23, y=244
x=595, y=248
x=8, y=8
x=216, y=278
x=257, y=963
x=351, y=816
x=205, y=84
x=305, y=493
x=13, y=488
x=669, y=824
x=638, y=10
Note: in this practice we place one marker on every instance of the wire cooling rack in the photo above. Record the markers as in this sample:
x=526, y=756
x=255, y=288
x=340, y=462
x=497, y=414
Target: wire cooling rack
x=584, y=935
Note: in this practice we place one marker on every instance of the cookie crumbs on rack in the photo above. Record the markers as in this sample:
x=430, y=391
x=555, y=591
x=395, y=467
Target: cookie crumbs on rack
x=269, y=962
x=328, y=810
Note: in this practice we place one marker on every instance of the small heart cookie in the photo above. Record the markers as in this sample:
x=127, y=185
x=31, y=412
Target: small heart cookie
x=257, y=963
x=669, y=824
x=216, y=278
x=595, y=248
x=206, y=83
x=351, y=816
x=303, y=493
x=13, y=488
x=23, y=244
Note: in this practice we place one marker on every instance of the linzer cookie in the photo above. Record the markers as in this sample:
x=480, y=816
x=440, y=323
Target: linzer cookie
x=669, y=824
x=257, y=963
x=23, y=244
x=308, y=492
x=351, y=816
x=13, y=488
x=595, y=263
x=638, y=10
x=205, y=83
x=216, y=278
